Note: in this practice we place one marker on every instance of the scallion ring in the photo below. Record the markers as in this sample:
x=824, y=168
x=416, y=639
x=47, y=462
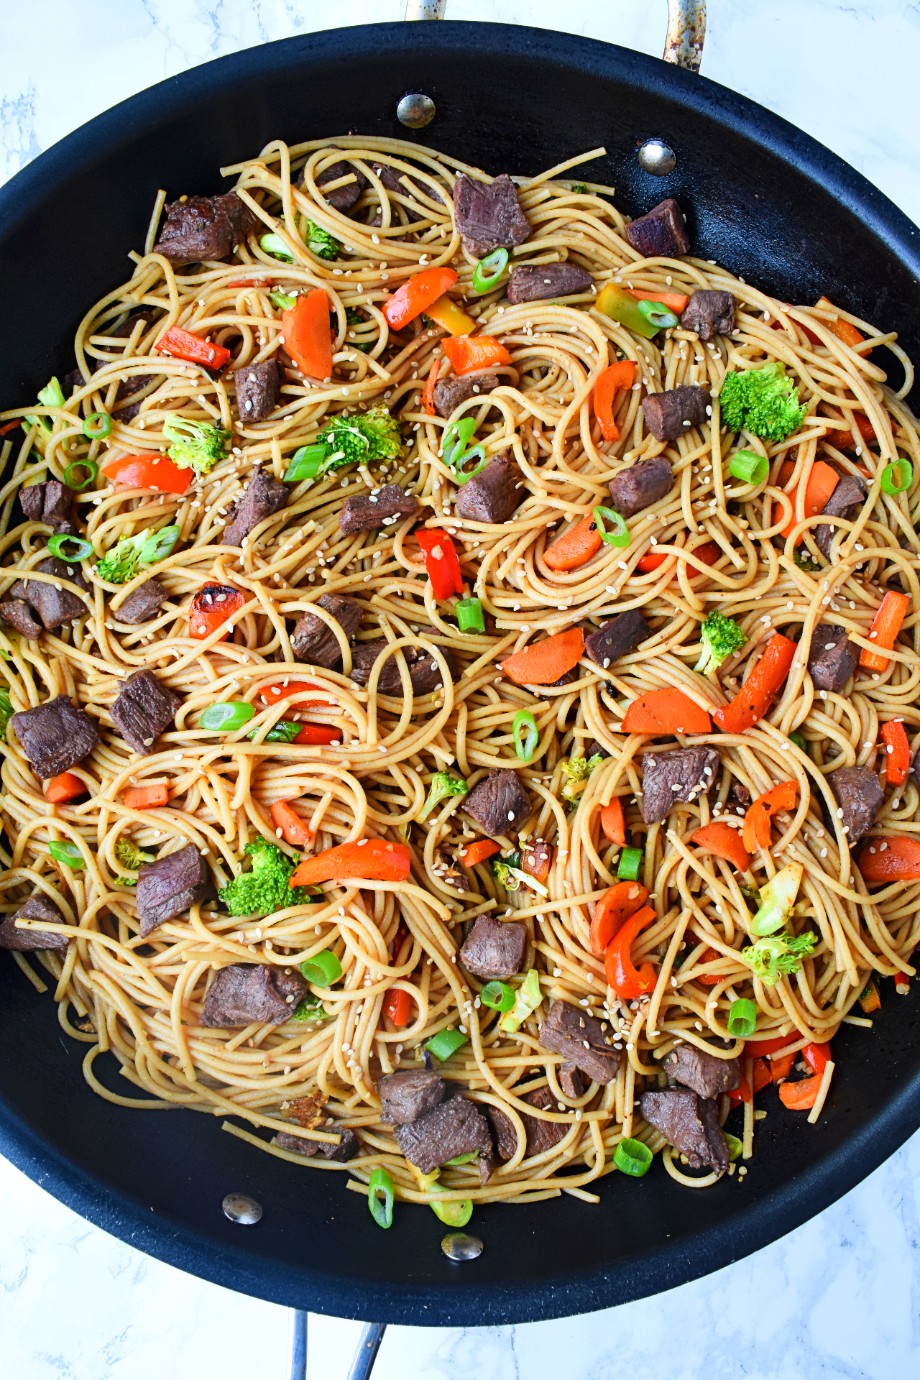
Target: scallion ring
x=632, y=1157
x=497, y=996
x=453, y=1212
x=617, y=533
x=306, y=463
x=80, y=548
x=226, y=716
x=657, y=314
x=445, y=1043
x=630, y=864
x=475, y=457
x=456, y=438
x=63, y=851
x=897, y=477
x=97, y=426
x=323, y=969
x=526, y=735
x=749, y=467
x=490, y=271
x=742, y=1018
x=380, y=1197
x=70, y=474
x=470, y=617
x=735, y=1146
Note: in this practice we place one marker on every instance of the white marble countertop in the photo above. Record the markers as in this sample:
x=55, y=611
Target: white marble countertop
x=838, y=1298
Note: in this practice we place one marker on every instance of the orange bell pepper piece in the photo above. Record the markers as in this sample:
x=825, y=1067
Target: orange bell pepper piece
x=756, y=832
x=663, y=712
x=467, y=353
x=417, y=294
x=308, y=334
x=370, y=860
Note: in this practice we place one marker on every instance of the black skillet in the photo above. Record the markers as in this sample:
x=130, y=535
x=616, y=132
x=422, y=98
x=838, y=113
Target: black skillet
x=763, y=199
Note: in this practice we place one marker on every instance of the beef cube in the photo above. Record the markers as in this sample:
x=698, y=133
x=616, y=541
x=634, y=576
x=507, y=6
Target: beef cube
x=171, y=886
x=424, y=671
x=408, y=1094
x=570, y=1031
x=499, y=803
x=313, y=640
x=449, y=393
x=19, y=615
x=258, y=387
x=54, y=736
x=617, y=637
x=542, y=1135
x=494, y=948
x=244, y=993
x=571, y=1080
x=705, y=1073
x=832, y=657
x=143, y=709
x=641, y=485
x=142, y=604
x=348, y=1147
x=50, y=602
x=845, y=502
x=263, y=496
x=709, y=313
x=488, y=215
x=538, y=282
x=493, y=494
x=668, y=415
x=203, y=228
x=50, y=502
x=690, y=1123
x=346, y=197
x=504, y=1136
x=37, y=907
x=455, y=1127
x=680, y=775
x=661, y=233
x=368, y=513
x=859, y=798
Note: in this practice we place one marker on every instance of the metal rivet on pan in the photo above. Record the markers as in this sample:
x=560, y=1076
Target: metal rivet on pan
x=458, y=1245
x=240, y=1208
x=657, y=157
x=416, y=110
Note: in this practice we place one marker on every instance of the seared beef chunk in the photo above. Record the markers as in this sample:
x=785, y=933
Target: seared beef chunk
x=569, y=1030
x=542, y=1135
x=504, y=1136
x=203, y=227
x=257, y=389
x=739, y=797
x=859, y=798
x=499, y=803
x=171, y=886
x=247, y=992
x=50, y=502
x=661, y=233
x=617, y=637
x=362, y=513
x=52, y=606
x=832, y=658
x=690, y=1123
x=641, y=485
x=347, y=1148
x=54, y=735
x=314, y=641
x=349, y=194
x=489, y=215
x=37, y=907
x=845, y=502
x=705, y=1073
x=449, y=393
x=142, y=603
x=709, y=313
x=669, y=415
x=262, y=496
x=493, y=494
x=424, y=671
x=454, y=1127
x=680, y=775
x=571, y=1079
x=408, y=1094
x=143, y=709
x=17, y=613
x=537, y=282
x=494, y=948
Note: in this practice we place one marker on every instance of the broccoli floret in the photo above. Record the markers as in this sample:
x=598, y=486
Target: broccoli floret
x=130, y=856
x=721, y=638
x=52, y=395
x=195, y=445
x=575, y=773
x=311, y=1009
x=362, y=439
x=508, y=873
x=778, y=955
x=320, y=242
x=443, y=784
x=265, y=888
x=761, y=401
x=119, y=565
x=6, y=712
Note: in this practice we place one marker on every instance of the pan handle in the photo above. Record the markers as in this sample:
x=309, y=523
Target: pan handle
x=683, y=45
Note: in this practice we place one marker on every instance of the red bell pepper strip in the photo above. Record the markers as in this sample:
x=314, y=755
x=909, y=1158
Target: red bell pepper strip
x=883, y=634
x=428, y=390
x=286, y=690
x=441, y=562
x=760, y=689
x=376, y=860
x=148, y=471
x=761, y=1076
x=817, y=1057
x=421, y=291
x=213, y=605
x=613, y=380
x=663, y=712
x=892, y=859
x=308, y=334
x=708, y=553
x=319, y=735
x=617, y=904
x=897, y=752
x=627, y=981
x=467, y=353
x=193, y=348
x=756, y=832
x=397, y=1006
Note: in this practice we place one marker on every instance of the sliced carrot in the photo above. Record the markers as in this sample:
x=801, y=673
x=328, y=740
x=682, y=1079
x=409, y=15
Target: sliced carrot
x=897, y=752
x=63, y=787
x=375, y=860
x=723, y=841
x=292, y=826
x=537, y=859
x=417, y=294
x=821, y=482
x=613, y=380
x=11, y=426
x=843, y=438
x=617, y=904
x=800, y=1096
x=892, y=859
x=674, y=301
x=760, y=1077
x=760, y=689
x=886, y=625
x=478, y=851
x=307, y=334
x=612, y=823
x=542, y=663
x=843, y=330
x=145, y=797
x=756, y=832
x=428, y=390
x=575, y=546
x=467, y=353
x=663, y=712
x=781, y=1067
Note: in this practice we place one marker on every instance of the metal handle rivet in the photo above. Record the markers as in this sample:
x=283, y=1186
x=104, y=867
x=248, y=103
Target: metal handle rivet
x=459, y=1245
x=416, y=110
x=657, y=157
x=242, y=1209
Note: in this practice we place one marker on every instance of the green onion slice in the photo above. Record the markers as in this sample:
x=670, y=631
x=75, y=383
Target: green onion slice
x=97, y=426
x=67, y=853
x=306, y=463
x=453, y=1212
x=470, y=617
x=455, y=440
x=630, y=864
x=657, y=314
x=742, y=1018
x=273, y=244
x=617, y=534
x=282, y=300
x=462, y=1159
x=226, y=716
x=799, y=740
x=526, y=734
x=80, y=548
x=632, y=1157
x=749, y=467
x=323, y=969
x=70, y=474
x=159, y=545
x=476, y=457
x=735, y=1146
x=497, y=996
x=490, y=271
x=897, y=477
x=445, y=1043
x=380, y=1197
